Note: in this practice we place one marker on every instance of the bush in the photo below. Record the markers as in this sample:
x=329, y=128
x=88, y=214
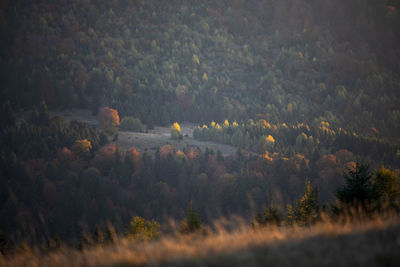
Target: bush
x=131, y=124
x=143, y=230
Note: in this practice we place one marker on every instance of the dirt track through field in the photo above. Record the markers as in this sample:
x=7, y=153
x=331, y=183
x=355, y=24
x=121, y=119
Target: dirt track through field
x=153, y=138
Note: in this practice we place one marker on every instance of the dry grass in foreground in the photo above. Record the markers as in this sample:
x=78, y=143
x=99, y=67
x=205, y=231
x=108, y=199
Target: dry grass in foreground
x=368, y=242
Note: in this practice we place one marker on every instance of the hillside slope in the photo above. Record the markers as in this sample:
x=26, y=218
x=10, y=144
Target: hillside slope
x=288, y=61
x=363, y=243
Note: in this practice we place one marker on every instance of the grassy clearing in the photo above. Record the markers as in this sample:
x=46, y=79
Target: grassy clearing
x=367, y=242
x=162, y=136
x=159, y=136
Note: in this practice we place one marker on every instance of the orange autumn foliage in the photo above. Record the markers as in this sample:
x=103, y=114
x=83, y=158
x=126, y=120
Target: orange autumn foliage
x=133, y=154
x=165, y=150
x=108, y=119
x=104, y=158
x=65, y=155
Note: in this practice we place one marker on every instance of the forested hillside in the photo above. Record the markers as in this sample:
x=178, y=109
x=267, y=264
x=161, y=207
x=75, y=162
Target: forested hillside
x=307, y=91
x=291, y=61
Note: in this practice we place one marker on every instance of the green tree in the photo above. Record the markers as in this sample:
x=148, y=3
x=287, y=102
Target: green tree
x=271, y=215
x=306, y=209
x=191, y=223
x=357, y=190
x=386, y=186
x=131, y=124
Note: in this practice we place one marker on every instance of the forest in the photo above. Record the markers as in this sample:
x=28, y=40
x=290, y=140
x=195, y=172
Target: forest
x=306, y=91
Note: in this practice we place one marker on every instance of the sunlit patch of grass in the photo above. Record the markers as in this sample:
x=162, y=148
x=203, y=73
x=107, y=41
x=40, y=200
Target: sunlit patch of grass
x=232, y=242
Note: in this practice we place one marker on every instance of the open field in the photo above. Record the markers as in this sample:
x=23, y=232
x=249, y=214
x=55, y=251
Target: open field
x=162, y=136
x=364, y=243
x=159, y=136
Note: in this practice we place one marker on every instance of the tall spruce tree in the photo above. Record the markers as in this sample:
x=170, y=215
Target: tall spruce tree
x=357, y=190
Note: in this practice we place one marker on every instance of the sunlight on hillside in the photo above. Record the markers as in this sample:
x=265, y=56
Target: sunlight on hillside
x=364, y=242
x=129, y=129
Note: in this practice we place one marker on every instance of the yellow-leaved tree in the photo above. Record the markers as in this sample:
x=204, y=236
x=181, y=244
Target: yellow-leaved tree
x=143, y=230
x=176, y=131
x=82, y=148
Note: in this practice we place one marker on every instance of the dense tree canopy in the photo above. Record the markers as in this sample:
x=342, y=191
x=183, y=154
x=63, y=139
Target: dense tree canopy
x=291, y=60
x=303, y=89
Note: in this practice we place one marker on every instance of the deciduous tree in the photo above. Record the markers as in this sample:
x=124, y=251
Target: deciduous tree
x=387, y=188
x=176, y=131
x=143, y=230
x=108, y=119
x=82, y=148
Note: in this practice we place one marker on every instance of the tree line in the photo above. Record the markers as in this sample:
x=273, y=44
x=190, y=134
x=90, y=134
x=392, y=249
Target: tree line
x=82, y=182
x=208, y=61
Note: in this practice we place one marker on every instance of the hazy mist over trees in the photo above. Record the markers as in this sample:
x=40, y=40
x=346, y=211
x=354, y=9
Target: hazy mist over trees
x=306, y=91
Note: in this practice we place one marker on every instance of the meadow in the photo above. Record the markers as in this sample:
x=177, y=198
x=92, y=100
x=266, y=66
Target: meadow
x=346, y=241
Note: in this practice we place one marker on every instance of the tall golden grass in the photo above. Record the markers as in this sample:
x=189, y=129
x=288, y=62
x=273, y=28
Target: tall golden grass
x=345, y=241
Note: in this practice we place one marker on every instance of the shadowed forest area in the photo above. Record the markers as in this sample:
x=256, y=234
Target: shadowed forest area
x=283, y=113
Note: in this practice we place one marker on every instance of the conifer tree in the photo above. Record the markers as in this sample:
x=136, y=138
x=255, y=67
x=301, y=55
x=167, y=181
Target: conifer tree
x=357, y=190
x=110, y=235
x=271, y=215
x=306, y=209
x=191, y=223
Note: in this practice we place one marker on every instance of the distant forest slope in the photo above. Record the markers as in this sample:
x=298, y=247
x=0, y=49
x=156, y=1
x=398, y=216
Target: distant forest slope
x=163, y=61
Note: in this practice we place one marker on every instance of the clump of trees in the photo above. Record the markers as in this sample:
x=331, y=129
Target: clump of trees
x=315, y=98
x=270, y=216
x=312, y=140
x=67, y=167
x=362, y=193
x=109, y=185
x=379, y=191
x=131, y=124
x=211, y=61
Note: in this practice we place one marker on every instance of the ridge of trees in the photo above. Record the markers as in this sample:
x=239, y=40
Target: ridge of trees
x=208, y=61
